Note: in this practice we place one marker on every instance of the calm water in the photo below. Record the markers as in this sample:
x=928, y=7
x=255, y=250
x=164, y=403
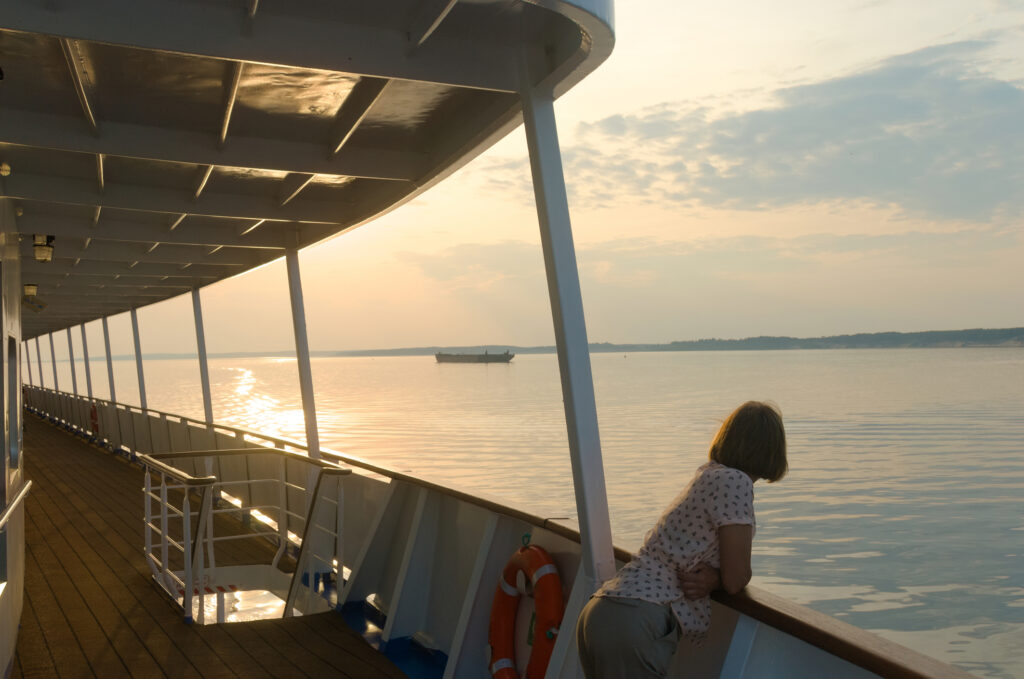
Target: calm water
x=903, y=512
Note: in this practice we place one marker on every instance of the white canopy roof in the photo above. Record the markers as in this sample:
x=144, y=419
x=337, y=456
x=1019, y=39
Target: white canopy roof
x=168, y=144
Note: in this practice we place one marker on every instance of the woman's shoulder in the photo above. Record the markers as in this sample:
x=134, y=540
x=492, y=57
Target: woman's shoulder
x=716, y=472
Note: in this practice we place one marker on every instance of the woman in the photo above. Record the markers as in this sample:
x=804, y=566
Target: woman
x=631, y=626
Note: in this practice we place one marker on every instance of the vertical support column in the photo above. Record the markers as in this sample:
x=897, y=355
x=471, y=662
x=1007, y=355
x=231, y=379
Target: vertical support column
x=570, y=335
x=39, y=362
x=302, y=352
x=53, y=363
x=110, y=361
x=28, y=362
x=138, y=359
x=71, y=360
x=204, y=368
x=88, y=372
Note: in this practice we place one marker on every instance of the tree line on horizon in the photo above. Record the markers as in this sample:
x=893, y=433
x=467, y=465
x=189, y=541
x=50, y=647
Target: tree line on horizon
x=979, y=337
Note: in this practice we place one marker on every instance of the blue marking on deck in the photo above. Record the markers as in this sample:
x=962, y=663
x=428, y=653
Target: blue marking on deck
x=408, y=655
x=415, y=660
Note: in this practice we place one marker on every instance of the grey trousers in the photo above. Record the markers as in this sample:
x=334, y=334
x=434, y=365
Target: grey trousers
x=626, y=639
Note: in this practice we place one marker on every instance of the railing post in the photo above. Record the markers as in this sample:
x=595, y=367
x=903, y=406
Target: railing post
x=282, y=513
x=302, y=352
x=570, y=332
x=186, y=548
x=163, y=532
x=39, y=362
x=110, y=361
x=210, y=496
x=138, y=359
x=147, y=514
x=53, y=363
x=204, y=368
x=195, y=547
x=339, y=543
x=71, y=360
x=85, y=356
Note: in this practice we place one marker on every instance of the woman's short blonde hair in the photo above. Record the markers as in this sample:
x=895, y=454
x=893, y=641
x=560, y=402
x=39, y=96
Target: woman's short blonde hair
x=752, y=439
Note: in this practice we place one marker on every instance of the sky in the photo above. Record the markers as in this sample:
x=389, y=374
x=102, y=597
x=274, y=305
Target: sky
x=734, y=169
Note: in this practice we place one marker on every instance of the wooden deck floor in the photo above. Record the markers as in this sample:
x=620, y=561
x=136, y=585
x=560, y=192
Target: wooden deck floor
x=91, y=609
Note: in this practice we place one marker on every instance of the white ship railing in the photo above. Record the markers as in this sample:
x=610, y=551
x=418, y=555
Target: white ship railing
x=14, y=504
x=174, y=506
x=12, y=562
x=422, y=560
x=130, y=430
x=297, y=504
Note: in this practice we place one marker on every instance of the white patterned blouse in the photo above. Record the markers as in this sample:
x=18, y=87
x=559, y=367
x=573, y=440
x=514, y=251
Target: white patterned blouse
x=685, y=536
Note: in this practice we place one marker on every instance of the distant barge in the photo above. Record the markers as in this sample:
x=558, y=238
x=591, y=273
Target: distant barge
x=474, y=358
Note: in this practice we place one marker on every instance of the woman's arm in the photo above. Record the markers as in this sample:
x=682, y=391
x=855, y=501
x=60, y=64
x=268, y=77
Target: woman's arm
x=700, y=582
x=734, y=543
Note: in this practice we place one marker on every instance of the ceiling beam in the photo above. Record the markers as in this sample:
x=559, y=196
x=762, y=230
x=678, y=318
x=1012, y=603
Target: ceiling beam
x=204, y=177
x=277, y=235
x=30, y=268
x=357, y=104
x=480, y=61
x=428, y=16
x=69, y=302
x=65, y=190
x=249, y=228
x=234, y=77
x=117, y=251
x=129, y=281
x=292, y=185
x=56, y=305
x=80, y=79
x=57, y=302
x=66, y=133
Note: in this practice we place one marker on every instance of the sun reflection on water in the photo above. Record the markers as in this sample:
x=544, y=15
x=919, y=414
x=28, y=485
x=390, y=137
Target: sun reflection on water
x=253, y=407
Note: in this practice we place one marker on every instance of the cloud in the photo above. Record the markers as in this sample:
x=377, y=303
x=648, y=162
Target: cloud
x=644, y=262
x=480, y=266
x=928, y=132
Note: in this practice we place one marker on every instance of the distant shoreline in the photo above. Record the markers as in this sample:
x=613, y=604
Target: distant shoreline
x=932, y=339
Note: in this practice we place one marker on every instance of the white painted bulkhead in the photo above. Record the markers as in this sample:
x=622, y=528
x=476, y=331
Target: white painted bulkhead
x=12, y=537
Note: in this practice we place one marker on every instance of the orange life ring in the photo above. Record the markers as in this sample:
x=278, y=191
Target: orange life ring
x=538, y=566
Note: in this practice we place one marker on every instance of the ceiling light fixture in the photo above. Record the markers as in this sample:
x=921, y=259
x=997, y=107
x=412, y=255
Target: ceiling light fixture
x=31, y=289
x=5, y=170
x=42, y=247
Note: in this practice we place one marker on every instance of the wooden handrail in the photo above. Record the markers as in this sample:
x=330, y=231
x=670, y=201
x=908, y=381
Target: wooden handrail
x=184, y=477
x=8, y=512
x=853, y=644
x=326, y=466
